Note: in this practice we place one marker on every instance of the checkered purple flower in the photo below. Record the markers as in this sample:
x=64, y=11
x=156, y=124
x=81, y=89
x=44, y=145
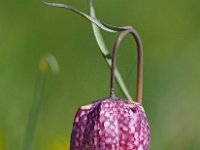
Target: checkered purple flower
x=110, y=124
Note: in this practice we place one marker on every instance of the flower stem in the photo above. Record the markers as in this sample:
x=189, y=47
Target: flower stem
x=140, y=63
x=107, y=55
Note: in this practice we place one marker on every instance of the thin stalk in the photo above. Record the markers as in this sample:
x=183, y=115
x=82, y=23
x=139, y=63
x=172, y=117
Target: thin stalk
x=106, y=54
x=140, y=63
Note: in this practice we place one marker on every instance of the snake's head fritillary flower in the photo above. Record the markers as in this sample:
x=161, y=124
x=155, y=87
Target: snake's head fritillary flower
x=110, y=124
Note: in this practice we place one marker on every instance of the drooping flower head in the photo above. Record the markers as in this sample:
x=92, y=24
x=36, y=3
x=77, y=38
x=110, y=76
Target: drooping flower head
x=110, y=124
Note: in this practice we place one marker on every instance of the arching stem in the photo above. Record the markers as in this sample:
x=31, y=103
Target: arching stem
x=140, y=63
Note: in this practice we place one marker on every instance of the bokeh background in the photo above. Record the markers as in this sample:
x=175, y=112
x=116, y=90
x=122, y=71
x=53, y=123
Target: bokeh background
x=171, y=38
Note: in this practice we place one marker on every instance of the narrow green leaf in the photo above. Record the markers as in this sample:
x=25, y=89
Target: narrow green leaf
x=101, y=25
x=105, y=52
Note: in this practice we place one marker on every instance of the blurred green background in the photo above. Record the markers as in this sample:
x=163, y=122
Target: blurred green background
x=171, y=38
